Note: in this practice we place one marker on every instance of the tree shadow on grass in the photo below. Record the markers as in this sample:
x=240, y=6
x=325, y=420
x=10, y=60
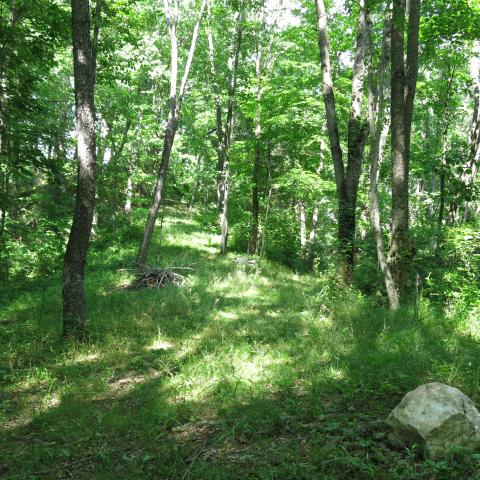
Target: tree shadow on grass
x=233, y=376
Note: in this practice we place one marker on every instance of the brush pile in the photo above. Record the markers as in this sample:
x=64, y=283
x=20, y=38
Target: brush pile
x=153, y=277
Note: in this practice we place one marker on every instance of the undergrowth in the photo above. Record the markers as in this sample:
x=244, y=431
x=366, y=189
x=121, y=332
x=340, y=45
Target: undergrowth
x=240, y=373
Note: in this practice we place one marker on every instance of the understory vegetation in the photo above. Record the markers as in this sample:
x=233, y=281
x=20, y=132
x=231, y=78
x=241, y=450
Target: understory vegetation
x=245, y=371
x=234, y=234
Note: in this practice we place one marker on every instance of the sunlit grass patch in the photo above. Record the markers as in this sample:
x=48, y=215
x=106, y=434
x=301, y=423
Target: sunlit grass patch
x=240, y=373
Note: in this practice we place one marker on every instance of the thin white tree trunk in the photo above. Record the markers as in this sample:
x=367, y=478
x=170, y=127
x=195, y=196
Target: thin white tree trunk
x=313, y=237
x=379, y=128
x=174, y=104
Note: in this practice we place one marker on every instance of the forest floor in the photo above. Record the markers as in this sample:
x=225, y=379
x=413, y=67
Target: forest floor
x=237, y=374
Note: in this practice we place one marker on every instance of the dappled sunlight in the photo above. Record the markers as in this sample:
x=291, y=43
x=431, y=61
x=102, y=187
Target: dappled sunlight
x=126, y=383
x=160, y=345
x=82, y=357
x=227, y=374
x=335, y=374
x=224, y=315
x=231, y=364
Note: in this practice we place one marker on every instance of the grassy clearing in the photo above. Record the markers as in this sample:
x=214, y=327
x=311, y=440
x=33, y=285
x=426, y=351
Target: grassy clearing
x=235, y=375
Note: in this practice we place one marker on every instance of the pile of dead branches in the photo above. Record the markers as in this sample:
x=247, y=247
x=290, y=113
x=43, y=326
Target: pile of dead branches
x=154, y=277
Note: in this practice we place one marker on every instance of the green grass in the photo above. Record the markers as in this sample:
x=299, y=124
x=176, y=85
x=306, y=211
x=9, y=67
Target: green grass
x=236, y=375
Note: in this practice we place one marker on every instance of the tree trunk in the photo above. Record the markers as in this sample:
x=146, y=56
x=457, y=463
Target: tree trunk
x=313, y=238
x=258, y=150
x=197, y=183
x=128, y=196
x=255, y=200
x=346, y=182
x=302, y=222
x=218, y=108
x=402, y=98
x=471, y=170
x=174, y=104
x=74, y=314
x=224, y=184
x=379, y=129
x=443, y=171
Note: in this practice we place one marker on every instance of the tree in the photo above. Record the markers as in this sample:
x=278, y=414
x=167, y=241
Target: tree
x=175, y=100
x=379, y=128
x=225, y=131
x=346, y=178
x=74, y=313
x=403, y=85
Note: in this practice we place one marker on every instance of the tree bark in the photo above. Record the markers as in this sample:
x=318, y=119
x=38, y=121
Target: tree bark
x=263, y=62
x=302, y=222
x=223, y=171
x=313, y=238
x=252, y=249
x=174, y=107
x=258, y=150
x=74, y=313
x=443, y=166
x=402, y=99
x=346, y=181
x=379, y=129
x=218, y=107
x=471, y=169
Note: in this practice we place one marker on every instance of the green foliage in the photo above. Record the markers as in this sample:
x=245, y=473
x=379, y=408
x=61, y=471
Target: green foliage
x=230, y=366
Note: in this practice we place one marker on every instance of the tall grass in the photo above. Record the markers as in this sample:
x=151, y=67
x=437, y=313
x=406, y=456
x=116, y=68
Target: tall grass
x=237, y=374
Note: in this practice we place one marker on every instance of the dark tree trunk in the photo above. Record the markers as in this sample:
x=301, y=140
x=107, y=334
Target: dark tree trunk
x=158, y=192
x=471, y=168
x=74, y=313
x=402, y=99
x=346, y=181
x=443, y=173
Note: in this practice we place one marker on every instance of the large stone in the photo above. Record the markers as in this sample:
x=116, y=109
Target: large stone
x=437, y=418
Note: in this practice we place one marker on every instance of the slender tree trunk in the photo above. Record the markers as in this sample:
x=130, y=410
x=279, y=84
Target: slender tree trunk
x=74, y=314
x=118, y=150
x=128, y=196
x=313, y=238
x=402, y=99
x=4, y=200
x=263, y=62
x=302, y=222
x=346, y=181
x=379, y=129
x=411, y=72
x=3, y=169
x=471, y=170
x=258, y=150
x=443, y=172
x=174, y=106
x=197, y=183
x=255, y=200
x=225, y=180
x=263, y=239
x=224, y=189
x=218, y=108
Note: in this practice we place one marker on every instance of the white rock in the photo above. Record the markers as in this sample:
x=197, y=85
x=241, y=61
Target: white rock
x=437, y=418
